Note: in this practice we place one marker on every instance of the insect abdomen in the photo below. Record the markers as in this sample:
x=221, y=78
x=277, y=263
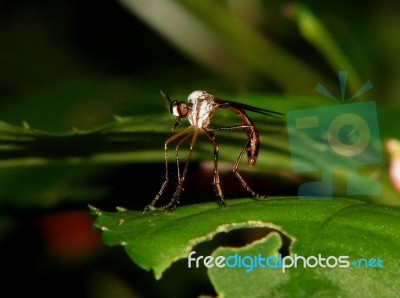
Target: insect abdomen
x=253, y=144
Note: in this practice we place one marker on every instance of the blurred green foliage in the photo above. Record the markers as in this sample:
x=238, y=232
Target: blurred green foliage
x=67, y=68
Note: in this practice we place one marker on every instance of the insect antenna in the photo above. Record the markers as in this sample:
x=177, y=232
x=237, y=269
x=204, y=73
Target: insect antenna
x=166, y=96
x=172, y=104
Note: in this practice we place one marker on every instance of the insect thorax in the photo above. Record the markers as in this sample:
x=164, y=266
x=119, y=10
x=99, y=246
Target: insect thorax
x=202, y=106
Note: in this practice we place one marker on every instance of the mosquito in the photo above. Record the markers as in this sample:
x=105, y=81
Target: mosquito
x=199, y=109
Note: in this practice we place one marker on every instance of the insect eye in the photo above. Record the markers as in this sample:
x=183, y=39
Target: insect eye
x=179, y=109
x=183, y=109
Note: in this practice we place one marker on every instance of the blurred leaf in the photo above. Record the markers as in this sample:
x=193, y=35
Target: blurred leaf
x=313, y=30
x=140, y=139
x=64, y=167
x=48, y=185
x=227, y=44
x=338, y=227
x=128, y=139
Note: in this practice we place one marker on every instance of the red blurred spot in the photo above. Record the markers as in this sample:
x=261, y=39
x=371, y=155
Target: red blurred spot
x=69, y=234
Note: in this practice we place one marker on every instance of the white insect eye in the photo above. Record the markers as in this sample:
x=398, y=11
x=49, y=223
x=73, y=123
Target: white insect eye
x=174, y=108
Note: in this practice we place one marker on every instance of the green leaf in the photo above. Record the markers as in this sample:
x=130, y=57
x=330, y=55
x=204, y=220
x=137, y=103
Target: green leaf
x=338, y=227
x=231, y=282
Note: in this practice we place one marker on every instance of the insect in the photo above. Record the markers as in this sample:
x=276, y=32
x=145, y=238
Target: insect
x=199, y=109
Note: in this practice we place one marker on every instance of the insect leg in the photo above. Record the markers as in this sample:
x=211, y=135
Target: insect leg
x=236, y=171
x=251, y=147
x=169, y=140
x=175, y=198
x=216, y=181
x=235, y=127
x=177, y=153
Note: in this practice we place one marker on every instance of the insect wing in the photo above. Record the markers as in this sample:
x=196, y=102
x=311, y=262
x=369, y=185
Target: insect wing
x=225, y=103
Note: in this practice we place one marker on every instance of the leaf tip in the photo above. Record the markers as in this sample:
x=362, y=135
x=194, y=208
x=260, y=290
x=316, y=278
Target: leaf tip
x=95, y=210
x=26, y=125
x=118, y=118
x=104, y=228
x=121, y=209
x=75, y=130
